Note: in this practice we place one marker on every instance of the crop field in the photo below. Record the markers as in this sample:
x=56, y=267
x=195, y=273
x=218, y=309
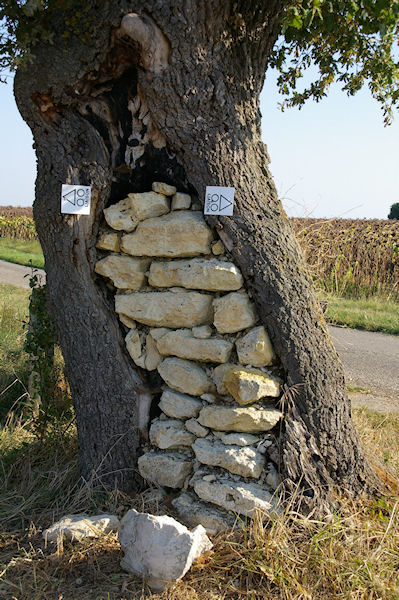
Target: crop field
x=347, y=258
x=352, y=258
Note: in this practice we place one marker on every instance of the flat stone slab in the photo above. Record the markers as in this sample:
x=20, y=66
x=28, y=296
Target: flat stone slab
x=185, y=376
x=159, y=549
x=178, y=234
x=243, y=461
x=79, y=527
x=178, y=405
x=165, y=469
x=234, y=312
x=249, y=419
x=166, y=309
x=125, y=272
x=168, y=434
x=193, y=512
x=198, y=273
x=183, y=344
x=242, y=498
x=248, y=385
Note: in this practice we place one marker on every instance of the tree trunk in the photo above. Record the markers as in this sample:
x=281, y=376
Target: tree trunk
x=173, y=94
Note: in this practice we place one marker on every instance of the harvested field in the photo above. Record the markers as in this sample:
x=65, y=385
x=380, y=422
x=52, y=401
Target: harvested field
x=352, y=258
x=16, y=211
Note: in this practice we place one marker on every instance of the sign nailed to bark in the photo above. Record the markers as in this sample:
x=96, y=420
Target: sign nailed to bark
x=75, y=199
x=219, y=200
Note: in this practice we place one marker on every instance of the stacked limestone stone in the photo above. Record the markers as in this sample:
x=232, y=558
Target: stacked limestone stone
x=191, y=319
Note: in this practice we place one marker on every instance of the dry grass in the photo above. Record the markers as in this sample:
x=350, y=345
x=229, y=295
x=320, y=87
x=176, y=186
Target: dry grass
x=353, y=554
x=352, y=258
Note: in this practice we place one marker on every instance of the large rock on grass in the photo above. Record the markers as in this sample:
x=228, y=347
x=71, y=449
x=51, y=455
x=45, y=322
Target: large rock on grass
x=159, y=549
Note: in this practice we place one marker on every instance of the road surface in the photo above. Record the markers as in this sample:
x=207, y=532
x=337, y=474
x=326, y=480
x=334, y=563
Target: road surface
x=371, y=360
x=17, y=274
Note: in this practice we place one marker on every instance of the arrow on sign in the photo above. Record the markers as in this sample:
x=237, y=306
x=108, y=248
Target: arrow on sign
x=223, y=206
x=73, y=194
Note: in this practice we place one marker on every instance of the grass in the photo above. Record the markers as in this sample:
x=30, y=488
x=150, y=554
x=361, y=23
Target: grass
x=14, y=372
x=21, y=252
x=351, y=555
x=372, y=314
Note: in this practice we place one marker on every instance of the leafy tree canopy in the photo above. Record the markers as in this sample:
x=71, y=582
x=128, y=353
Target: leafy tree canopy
x=394, y=212
x=353, y=42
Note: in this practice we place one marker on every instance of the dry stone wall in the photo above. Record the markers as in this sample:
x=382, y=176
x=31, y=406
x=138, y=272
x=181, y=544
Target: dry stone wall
x=191, y=319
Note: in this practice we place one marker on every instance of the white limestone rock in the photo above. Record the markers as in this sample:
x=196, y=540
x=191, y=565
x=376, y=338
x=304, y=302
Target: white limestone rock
x=181, y=233
x=181, y=201
x=238, y=439
x=159, y=549
x=131, y=323
x=183, y=344
x=233, y=312
x=152, y=356
x=242, y=498
x=218, y=248
x=108, y=241
x=165, y=469
x=163, y=188
x=243, y=461
x=169, y=309
x=169, y=434
x=197, y=274
x=185, y=376
x=193, y=512
x=194, y=427
x=202, y=332
x=218, y=374
x=248, y=419
x=248, y=385
x=133, y=344
x=255, y=348
x=179, y=406
x=126, y=214
x=125, y=272
x=79, y=527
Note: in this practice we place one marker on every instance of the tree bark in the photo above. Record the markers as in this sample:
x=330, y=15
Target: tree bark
x=172, y=93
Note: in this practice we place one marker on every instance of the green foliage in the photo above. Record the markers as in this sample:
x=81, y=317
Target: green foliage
x=349, y=41
x=25, y=23
x=39, y=344
x=394, y=212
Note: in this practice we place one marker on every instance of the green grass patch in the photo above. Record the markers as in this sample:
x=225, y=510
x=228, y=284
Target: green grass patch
x=372, y=314
x=22, y=252
x=14, y=311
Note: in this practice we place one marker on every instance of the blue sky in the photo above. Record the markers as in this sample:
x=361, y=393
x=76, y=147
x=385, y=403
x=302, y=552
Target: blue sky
x=331, y=159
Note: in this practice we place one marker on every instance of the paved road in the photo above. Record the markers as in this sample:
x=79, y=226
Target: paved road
x=15, y=274
x=371, y=360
